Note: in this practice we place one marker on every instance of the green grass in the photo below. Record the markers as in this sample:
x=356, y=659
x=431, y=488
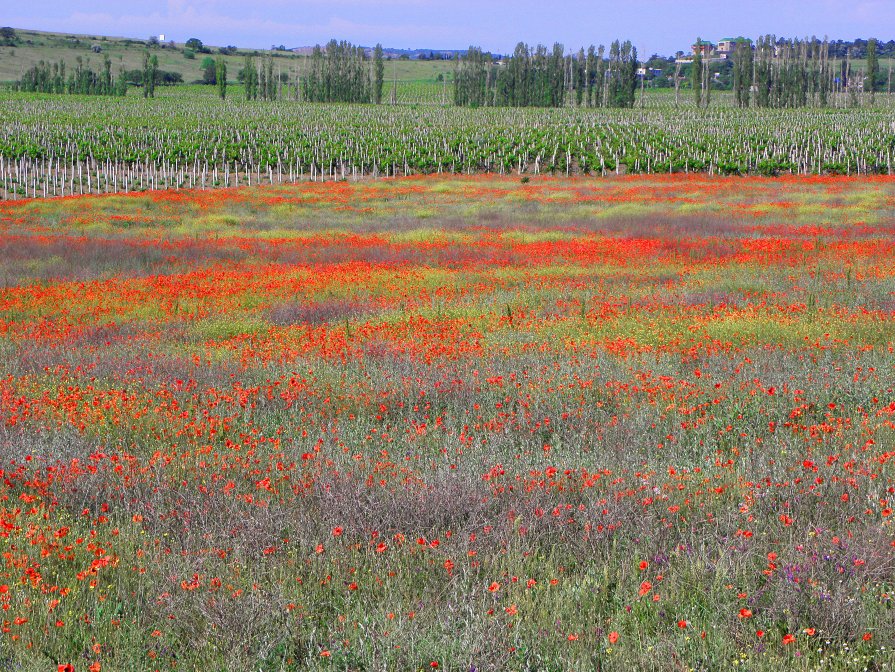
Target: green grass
x=34, y=46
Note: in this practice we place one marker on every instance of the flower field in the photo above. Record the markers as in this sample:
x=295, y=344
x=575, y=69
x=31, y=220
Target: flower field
x=483, y=423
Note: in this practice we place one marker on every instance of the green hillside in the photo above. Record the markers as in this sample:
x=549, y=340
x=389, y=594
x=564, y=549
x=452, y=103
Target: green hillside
x=31, y=46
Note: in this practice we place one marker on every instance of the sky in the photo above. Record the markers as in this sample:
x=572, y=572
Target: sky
x=653, y=26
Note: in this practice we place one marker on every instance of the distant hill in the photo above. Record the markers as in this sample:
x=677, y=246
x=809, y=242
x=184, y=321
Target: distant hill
x=411, y=54
x=25, y=48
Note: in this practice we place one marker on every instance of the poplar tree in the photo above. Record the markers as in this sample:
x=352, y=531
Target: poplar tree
x=591, y=74
x=271, y=89
x=378, y=74
x=150, y=70
x=146, y=75
x=580, y=69
x=612, y=73
x=153, y=74
x=742, y=72
x=696, y=73
x=250, y=78
x=600, y=84
x=851, y=82
x=121, y=84
x=824, y=72
x=872, y=68
x=471, y=78
x=762, y=71
x=107, y=88
x=556, y=77
x=622, y=74
x=221, y=77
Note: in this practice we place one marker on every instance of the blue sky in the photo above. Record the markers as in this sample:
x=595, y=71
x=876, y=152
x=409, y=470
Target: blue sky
x=662, y=26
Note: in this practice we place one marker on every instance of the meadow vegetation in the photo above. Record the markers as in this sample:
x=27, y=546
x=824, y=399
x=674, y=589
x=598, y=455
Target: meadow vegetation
x=640, y=422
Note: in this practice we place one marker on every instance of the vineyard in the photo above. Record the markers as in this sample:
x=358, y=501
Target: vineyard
x=632, y=423
x=59, y=146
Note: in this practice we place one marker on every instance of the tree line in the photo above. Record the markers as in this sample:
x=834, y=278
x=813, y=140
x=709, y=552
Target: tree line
x=45, y=77
x=83, y=80
x=780, y=73
x=860, y=48
x=772, y=73
x=340, y=73
x=536, y=77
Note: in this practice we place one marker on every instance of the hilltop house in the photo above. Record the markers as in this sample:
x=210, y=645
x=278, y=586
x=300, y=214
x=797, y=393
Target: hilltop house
x=724, y=50
x=707, y=49
x=728, y=45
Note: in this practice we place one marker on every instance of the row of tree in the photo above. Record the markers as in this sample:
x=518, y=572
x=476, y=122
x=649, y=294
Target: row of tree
x=860, y=49
x=536, y=77
x=258, y=81
x=780, y=73
x=342, y=73
x=45, y=77
x=773, y=73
